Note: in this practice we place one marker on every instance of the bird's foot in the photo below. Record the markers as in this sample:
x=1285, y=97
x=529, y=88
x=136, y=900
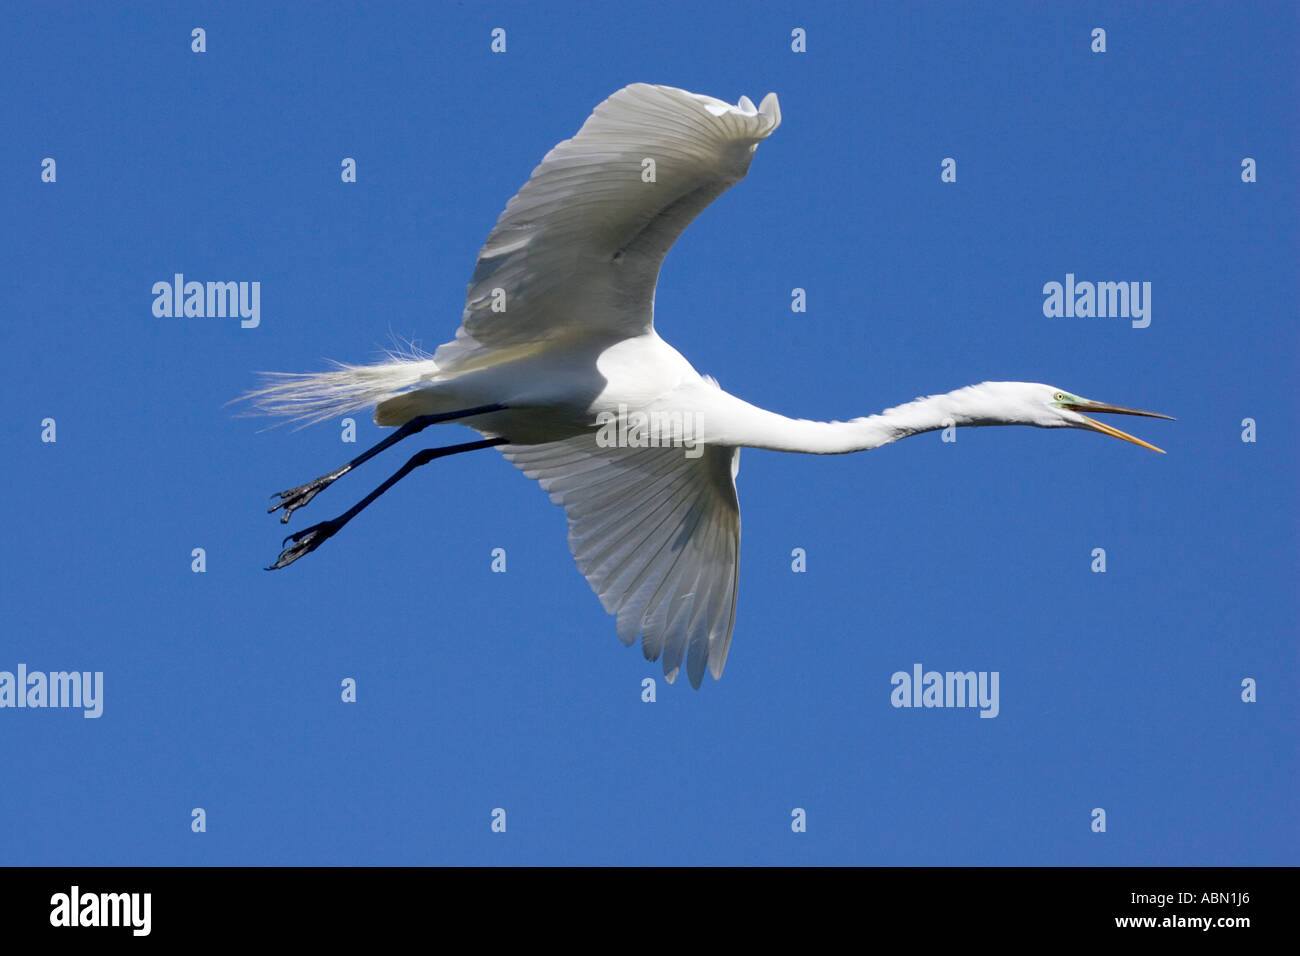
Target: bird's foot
x=305, y=542
x=295, y=498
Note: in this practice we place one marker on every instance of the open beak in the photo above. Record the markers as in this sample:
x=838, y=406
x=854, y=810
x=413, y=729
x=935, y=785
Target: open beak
x=1103, y=408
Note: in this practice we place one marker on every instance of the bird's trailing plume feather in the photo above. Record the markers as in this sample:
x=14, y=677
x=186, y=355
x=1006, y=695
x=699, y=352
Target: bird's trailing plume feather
x=313, y=397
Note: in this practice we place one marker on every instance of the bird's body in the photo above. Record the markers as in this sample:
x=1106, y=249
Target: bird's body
x=553, y=389
x=558, y=363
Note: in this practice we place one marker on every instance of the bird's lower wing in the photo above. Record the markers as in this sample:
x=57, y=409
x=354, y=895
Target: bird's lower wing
x=657, y=535
x=578, y=249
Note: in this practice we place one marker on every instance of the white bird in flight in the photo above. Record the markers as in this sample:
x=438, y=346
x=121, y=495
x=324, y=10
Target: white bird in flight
x=558, y=364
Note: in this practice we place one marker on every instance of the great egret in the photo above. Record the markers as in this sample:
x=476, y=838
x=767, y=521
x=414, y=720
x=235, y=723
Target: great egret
x=557, y=363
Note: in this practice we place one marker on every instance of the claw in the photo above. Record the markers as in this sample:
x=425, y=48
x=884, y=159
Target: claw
x=295, y=498
x=304, y=542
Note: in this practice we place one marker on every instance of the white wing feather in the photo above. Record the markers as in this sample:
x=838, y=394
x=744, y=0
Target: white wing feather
x=657, y=536
x=577, y=253
x=578, y=249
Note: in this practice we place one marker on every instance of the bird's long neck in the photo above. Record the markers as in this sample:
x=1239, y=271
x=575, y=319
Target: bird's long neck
x=757, y=428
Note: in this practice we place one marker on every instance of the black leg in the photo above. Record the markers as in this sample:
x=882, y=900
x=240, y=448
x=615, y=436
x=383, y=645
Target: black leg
x=295, y=498
x=309, y=539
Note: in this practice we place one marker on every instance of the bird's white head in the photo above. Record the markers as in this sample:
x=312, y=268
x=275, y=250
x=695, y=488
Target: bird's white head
x=1032, y=403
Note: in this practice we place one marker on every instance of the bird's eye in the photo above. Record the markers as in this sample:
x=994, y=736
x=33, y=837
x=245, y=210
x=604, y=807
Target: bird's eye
x=1058, y=397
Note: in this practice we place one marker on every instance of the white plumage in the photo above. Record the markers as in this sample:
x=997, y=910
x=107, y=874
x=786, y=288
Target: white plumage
x=558, y=335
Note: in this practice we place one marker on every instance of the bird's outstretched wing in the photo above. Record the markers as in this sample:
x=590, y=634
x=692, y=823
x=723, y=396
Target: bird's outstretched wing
x=578, y=249
x=657, y=535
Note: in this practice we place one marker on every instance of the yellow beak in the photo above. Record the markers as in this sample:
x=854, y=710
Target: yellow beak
x=1102, y=408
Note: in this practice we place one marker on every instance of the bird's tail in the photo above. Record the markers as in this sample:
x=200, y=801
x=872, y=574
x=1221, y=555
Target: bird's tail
x=316, y=396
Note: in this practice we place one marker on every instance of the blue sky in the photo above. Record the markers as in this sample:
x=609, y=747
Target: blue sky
x=1118, y=690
